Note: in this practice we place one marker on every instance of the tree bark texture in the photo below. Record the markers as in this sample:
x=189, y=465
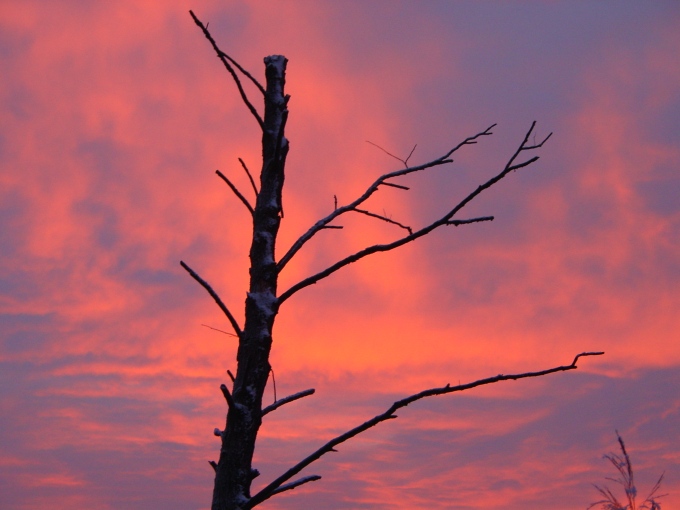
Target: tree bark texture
x=234, y=472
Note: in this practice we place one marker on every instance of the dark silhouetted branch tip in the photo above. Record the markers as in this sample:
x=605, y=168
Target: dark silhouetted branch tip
x=231, y=376
x=596, y=353
x=214, y=295
x=286, y=400
x=233, y=188
x=392, y=185
x=227, y=61
x=385, y=218
x=267, y=491
x=213, y=464
x=217, y=432
x=250, y=177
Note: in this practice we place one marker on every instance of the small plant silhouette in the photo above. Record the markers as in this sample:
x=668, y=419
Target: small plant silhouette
x=625, y=468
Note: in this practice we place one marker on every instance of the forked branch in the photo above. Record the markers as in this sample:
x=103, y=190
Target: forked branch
x=271, y=489
x=447, y=219
x=227, y=61
x=383, y=180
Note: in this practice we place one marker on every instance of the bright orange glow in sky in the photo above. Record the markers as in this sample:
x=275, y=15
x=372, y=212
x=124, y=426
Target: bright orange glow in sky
x=114, y=117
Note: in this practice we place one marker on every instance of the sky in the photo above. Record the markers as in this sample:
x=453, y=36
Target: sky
x=114, y=117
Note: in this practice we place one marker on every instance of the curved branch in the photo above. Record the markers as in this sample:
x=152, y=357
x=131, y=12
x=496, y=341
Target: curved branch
x=382, y=180
x=225, y=60
x=270, y=489
x=444, y=220
x=214, y=295
x=286, y=400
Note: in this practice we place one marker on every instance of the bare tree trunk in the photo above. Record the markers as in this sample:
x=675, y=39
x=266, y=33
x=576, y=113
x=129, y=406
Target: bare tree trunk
x=234, y=472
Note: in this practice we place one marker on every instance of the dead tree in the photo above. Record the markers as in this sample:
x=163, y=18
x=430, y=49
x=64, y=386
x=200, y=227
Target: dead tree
x=234, y=472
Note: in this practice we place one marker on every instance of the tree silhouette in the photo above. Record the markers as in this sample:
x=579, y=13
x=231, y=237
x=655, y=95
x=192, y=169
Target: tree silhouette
x=234, y=472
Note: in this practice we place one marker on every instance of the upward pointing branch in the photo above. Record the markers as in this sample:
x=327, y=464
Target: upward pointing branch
x=226, y=59
x=447, y=219
x=271, y=489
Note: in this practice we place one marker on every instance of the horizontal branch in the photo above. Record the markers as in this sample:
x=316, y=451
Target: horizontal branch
x=455, y=223
x=214, y=295
x=445, y=220
x=226, y=59
x=380, y=181
x=270, y=489
x=289, y=398
x=236, y=192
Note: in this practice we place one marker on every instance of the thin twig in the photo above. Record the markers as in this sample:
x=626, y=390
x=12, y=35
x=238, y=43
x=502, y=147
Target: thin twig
x=215, y=329
x=382, y=180
x=391, y=184
x=286, y=400
x=270, y=489
x=509, y=167
x=384, y=218
x=252, y=181
x=225, y=60
x=214, y=295
x=455, y=223
x=236, y=192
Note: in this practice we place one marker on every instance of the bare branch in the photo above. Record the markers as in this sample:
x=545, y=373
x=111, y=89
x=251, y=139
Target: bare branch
x=215, y=329
x=455, y=223
x=214, y=295
x=445, y=220
x=213, y=464
x=252, y=181
x=227, y=396
x=226, y=59
x=231, y=376
x=382, y=180
x=246, y=73
x=236, y=192
x=270, y=489
x=395, y=185
x=285, y=400
x=384, y=218
x=293, y=485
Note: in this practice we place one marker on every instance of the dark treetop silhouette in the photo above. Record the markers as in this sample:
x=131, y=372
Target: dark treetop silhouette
x=233, y=471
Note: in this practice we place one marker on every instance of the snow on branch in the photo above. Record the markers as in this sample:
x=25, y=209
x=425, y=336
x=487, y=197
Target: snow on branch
x=214, y=295
x=271, y=489
x=296, y=483
x=227, y=61
x=289, y=398
x=510, y=166
x=381, y=181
